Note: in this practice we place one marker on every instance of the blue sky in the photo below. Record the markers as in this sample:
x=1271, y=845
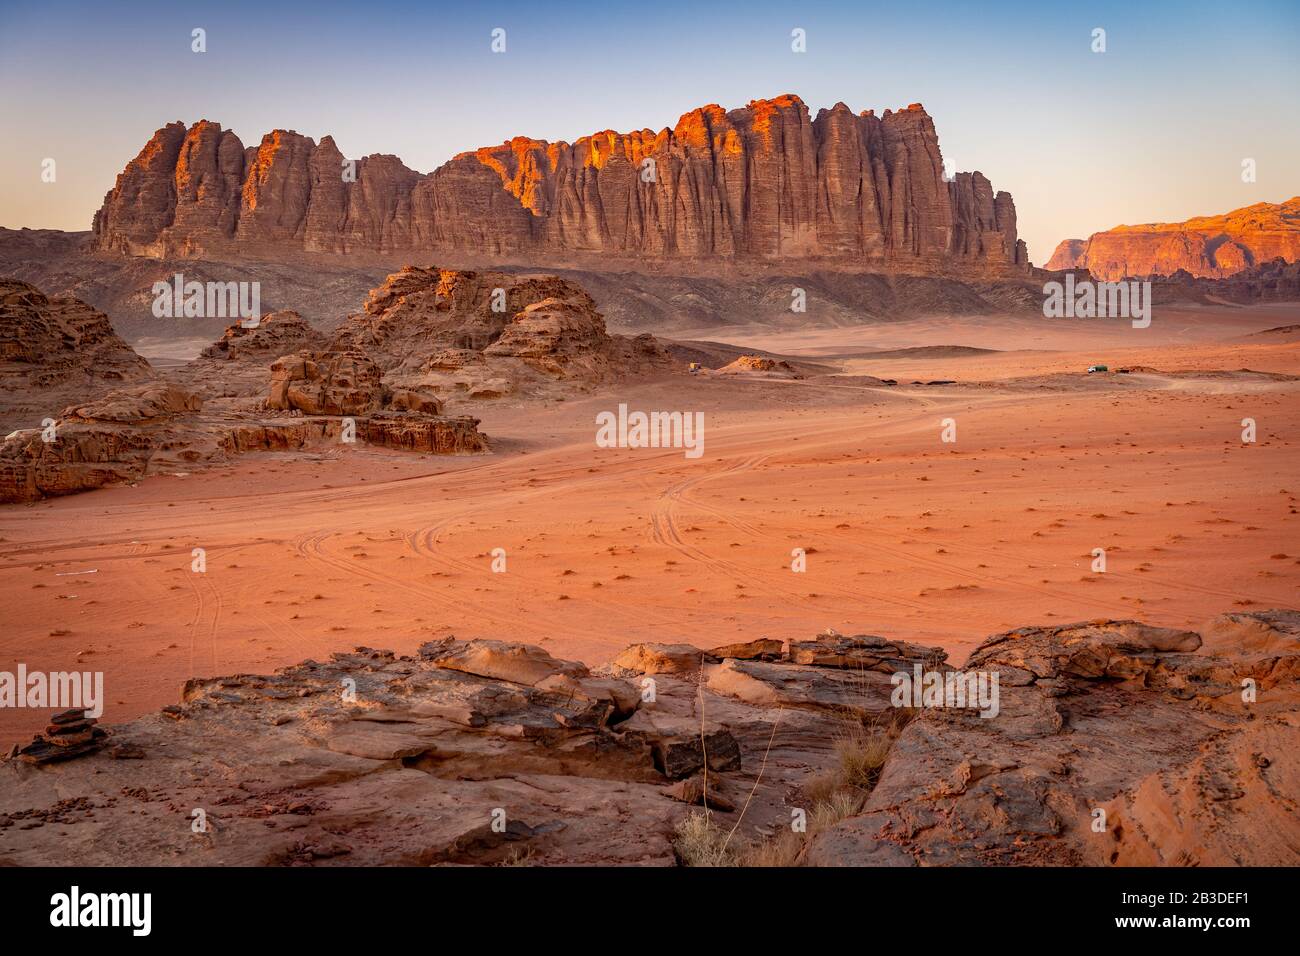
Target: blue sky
x=1153, y=129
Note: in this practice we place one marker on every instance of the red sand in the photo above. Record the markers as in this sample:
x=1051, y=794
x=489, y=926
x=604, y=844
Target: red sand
x=906, y=536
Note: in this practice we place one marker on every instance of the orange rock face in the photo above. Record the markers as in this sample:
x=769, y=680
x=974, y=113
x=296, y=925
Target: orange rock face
x=765, y=181
x=1208, y=246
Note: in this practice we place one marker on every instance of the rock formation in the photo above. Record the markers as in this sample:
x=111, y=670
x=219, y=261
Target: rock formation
x=483, y=752
x=1205, y=247
x=428, y=434
x=348, y=383
x=326, y=383
x=480, y=335
x=1276, y=281
x=424, y=336
x=760, y=366
x=766, y=181
x=69, y=734
x=236, y=365
x=140, y=430
x=54, y=351
x=276, y=333
x=1120, y=717
x=104, y=442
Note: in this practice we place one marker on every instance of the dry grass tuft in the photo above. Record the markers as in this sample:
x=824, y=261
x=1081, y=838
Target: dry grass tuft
x=701, y=842
x=834, y=795
x=861, y=753
x=516, y=857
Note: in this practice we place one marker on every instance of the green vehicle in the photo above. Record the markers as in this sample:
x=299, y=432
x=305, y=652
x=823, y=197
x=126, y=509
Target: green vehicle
x=1097, y=368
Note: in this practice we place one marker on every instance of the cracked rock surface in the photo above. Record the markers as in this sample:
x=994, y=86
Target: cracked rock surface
x=486, y=752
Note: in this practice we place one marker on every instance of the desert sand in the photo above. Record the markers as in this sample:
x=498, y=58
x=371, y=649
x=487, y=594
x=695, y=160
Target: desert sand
x=904, y=534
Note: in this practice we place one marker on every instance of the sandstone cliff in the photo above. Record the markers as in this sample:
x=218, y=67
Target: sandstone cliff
x=765, y=181
x=1212, y=247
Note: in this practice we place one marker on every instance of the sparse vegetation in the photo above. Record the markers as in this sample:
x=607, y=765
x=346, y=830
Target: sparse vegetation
x=517, y=857
x=834, y=795
x=702, y=842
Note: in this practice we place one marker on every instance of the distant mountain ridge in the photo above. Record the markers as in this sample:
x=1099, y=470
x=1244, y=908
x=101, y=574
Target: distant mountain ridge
x=766, y=181
x=1213, y=247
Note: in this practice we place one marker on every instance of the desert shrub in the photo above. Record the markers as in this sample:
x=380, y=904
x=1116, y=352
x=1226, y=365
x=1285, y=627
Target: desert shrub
x=700, y=841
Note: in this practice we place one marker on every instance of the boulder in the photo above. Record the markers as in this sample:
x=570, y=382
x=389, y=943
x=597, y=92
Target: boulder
x=326, y=383
x=863, y=652
x=661, y=659
x=764, y=649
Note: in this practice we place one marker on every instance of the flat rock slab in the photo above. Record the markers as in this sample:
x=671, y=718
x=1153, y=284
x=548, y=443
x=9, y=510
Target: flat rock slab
x=864, y=693
x=495, y=753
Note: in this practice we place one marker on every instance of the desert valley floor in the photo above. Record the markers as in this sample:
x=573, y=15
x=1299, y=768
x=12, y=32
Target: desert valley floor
x=905, y=535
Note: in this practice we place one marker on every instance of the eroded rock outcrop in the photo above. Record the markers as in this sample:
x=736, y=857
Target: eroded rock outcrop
x=275, y=334
x=143, y=429
x=236, y=365
x=760, y=366
x=488, y=752
x=1116, y=743
x=54, y=351
x=134, y=432
x=1276, y=281
x=108, y=441
x=348, y=383
x=139, y=405
x=326, y=383
x=428, y=434
x=1213, y=247
x=764, y=181
x=480, y=335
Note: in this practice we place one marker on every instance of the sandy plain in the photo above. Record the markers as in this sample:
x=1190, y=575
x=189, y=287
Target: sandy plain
x=905, y=535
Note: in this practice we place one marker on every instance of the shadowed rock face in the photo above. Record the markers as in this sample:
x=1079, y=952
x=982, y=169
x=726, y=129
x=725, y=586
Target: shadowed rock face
x=764, y=181
x=1212, y=247
x=237, y=364
x=54, y=351
x=326, y=383
x=1118, y=717
x=60, y=351
x=481, y=335
x=102, y=442
x=370, y=758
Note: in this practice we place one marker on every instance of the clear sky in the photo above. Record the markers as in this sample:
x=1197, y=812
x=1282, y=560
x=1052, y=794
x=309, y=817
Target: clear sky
x=1153, y=129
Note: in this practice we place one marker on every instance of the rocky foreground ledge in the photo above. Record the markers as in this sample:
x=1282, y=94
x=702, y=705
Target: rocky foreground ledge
x=1114, y=742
